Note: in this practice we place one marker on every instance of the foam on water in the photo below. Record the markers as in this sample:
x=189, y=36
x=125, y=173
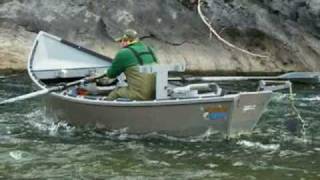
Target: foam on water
x=123, y=135
x=290, y=153
x=16, y=155
x=316, y=98
x=39, y=120
x=257, y=145
x=211, y=165
x=280, y=97
x=296, y=140
x=238, y=164
x=288, y=169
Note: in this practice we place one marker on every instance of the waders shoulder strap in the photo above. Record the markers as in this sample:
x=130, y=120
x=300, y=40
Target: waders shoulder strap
x=152, y=54
x=138, y=55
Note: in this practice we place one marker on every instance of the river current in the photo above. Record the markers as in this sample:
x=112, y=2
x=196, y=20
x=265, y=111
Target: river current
x=33, y=147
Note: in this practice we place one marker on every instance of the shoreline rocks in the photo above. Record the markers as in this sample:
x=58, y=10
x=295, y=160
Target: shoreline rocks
x=288, y=32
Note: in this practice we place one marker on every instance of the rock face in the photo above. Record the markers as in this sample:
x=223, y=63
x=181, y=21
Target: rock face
x=288, y=32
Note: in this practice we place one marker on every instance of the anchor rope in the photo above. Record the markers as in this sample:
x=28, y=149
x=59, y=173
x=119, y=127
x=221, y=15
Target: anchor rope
x=304, y=124
x=212, y=30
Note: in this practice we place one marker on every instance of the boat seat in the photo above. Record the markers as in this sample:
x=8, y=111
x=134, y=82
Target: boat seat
x=196, y=90
x=161, y=71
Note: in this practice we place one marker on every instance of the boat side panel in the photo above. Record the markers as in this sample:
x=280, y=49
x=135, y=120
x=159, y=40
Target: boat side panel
x=177, y=120
x=248, y=108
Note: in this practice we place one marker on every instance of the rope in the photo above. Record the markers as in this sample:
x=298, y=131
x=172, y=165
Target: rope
x=205, y=20
x=304, y=124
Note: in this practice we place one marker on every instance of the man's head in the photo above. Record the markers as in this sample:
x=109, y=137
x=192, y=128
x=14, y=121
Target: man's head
x=130, y=36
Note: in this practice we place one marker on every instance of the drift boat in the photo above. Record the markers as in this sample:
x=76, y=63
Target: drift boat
x=177, y=110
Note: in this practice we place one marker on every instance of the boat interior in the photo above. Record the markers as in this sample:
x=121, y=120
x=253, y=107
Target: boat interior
x=54, y=61
x=165, y=89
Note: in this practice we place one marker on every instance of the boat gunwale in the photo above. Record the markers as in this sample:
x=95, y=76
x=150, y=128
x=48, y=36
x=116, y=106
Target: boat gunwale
x=150, y=103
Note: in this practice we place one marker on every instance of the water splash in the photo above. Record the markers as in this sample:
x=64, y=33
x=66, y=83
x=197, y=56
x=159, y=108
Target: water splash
x=19, y=155
x=40, y=121
x=316, y=98
x=123, y=135
x=279, y=97
x=258, y=145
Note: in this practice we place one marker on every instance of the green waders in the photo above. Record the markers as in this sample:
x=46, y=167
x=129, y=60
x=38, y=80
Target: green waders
x=141, y=86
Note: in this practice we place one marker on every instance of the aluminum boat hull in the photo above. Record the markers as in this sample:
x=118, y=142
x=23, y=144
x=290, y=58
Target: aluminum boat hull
x=228, y=115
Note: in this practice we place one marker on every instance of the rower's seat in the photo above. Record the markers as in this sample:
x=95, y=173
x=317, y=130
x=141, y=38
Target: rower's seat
x=163, y=91
x=161, y=71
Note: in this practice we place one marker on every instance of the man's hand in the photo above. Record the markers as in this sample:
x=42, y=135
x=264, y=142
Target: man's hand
x=63, y=85
x=101, y=75
x=94, y=77
x=105, y=81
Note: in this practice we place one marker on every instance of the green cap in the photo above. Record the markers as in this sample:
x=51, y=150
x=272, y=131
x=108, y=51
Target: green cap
x=128, y=33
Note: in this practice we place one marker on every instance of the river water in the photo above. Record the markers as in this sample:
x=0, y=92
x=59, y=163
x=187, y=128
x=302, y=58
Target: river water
x=33, y=147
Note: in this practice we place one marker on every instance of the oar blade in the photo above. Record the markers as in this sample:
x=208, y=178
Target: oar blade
x=303, y=77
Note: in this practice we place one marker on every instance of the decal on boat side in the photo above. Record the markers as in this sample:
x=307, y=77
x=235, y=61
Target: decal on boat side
x=215, y=113
x=249, y=108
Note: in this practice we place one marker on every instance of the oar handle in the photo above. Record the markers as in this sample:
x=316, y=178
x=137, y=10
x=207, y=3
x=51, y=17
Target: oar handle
x=80, y=81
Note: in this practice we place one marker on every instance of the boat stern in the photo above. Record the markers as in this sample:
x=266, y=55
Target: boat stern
x=247, y=110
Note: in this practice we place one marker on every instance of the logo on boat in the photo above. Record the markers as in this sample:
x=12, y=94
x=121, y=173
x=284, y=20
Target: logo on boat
x=249, y=108
x=215, y=113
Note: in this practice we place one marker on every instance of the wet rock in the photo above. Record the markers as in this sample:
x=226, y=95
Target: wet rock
x=286, y=31
x=15, y=44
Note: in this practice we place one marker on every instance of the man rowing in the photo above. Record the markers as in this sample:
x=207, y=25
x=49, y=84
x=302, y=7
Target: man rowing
x=134, y=53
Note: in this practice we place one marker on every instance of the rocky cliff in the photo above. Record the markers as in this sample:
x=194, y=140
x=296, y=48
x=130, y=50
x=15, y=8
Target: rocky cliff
x=288, y=32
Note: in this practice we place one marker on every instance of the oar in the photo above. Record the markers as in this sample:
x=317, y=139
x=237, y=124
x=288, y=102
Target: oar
x=304, y=77
x=49, y=90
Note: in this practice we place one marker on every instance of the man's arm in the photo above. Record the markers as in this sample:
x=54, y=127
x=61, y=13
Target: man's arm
x=117, y=66
x=155, y=58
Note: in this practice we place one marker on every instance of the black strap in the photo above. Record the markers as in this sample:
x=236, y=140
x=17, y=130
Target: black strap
x=152, y=54
x=138, y=55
